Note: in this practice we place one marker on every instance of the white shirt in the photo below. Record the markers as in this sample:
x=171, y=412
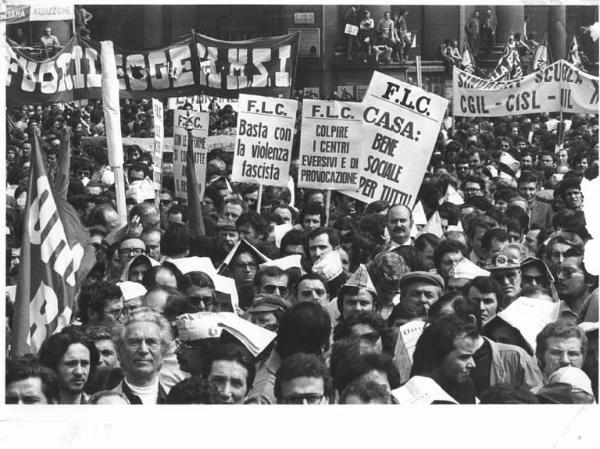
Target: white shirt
x=148, y=395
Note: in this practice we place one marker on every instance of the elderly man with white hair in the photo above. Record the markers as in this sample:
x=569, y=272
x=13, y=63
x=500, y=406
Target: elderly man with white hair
x=142, y=341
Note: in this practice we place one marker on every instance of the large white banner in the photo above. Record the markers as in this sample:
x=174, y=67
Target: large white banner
x=198, y=121
x=39, y=13
x=330, y=143
x=159, y=141
x=263, y=145
x=402, y=123
x=560, y=87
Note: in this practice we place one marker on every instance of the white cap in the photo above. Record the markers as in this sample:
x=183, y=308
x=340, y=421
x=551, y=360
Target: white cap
x=465, y=269
x=328, y=265
x=198, y=326
x=572, y=376
x=131, y=290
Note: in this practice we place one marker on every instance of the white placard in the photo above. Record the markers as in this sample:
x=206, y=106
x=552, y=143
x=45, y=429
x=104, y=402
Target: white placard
x=331, y=140
x=263, y=145
x=402, y=125
x=159, y=142
x=199, y=122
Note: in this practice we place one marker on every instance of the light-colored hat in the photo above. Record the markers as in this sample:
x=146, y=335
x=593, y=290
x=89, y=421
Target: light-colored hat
x=465, y=269
x=361, y=279
x=572, y=376
x=141, y=191
x=329, y=266
x=198, y=326
x=131, y=290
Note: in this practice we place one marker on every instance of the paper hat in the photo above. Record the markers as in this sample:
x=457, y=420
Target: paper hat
x=361, y=279
x=125, y=273
x=418, y=214
x=198, y=326
x=189, y=264
x=285, y=263
x=329, y=266
x=452, y=196
x=572, y=376
x=226, y=225
x=421, y=390
x=529, y=316
x=131, y=290
x=141, y=191
x=465, y=269
x=242, y=246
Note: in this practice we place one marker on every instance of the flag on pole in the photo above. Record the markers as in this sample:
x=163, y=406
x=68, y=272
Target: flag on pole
x=509, y=65
x=574, y=57
x=540, y=58
x=468, y=61
x=56, y=255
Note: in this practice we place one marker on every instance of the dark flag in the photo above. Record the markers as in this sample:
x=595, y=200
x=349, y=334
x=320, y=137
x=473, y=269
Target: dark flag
x=56, y=255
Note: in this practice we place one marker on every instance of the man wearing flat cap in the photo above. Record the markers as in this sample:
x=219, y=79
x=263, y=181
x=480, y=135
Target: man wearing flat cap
x=266, y=310
x=419, y=290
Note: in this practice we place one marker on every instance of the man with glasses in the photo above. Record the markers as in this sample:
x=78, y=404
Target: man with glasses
x=273, y=281
x=506, y=271
x=473, y=186
x=303, y=379
x=129, y=248
x=243, y=269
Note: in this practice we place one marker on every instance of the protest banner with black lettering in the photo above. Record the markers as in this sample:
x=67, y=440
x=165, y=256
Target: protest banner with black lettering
x=402, y=123
x=560, y=87
x=193, y=64
x=263, y=145
x=159, y=141
x=182, y=121
x=330, y=143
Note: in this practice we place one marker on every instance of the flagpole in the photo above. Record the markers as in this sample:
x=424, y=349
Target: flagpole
x=327, y=206
x=112, y=118
x=259, y=200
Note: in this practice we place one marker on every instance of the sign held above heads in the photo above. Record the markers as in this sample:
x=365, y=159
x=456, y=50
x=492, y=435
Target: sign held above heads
x=402, y=123
x=330, y=143
x=263, y=145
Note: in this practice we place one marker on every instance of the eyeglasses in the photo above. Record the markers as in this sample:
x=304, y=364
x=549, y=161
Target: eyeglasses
x=304, y=399
x=275, y=290
x=130, y=251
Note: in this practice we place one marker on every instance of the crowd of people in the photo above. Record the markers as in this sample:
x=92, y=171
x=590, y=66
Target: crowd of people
x=491, y=275
x=385, y=41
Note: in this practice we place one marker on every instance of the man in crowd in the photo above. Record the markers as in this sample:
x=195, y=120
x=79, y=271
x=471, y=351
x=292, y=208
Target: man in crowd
x=29, y=383
x=142, y=340
x=72, y=356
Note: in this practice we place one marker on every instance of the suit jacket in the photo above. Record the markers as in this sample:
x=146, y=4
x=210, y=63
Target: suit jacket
x=540, y=214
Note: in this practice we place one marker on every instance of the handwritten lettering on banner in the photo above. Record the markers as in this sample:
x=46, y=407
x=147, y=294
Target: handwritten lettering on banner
x=263, y=145
x=331, y=140
x=159, y=141
x=199, y=122
x=560, y=87
x=402, y=123
x=263, y=66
